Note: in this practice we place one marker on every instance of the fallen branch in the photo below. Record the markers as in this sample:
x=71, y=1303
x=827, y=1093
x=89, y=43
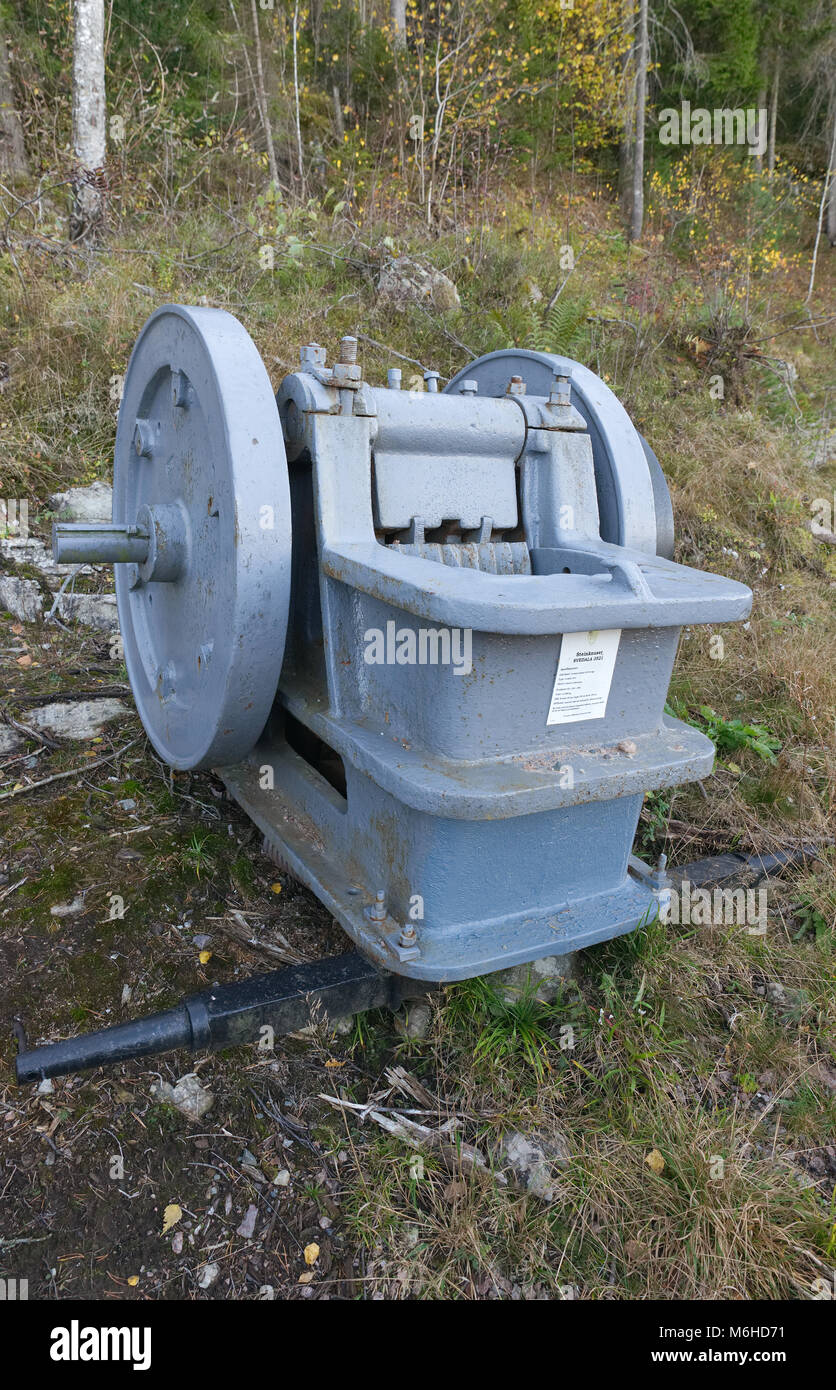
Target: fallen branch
x=456, y=1155
x=73, y=772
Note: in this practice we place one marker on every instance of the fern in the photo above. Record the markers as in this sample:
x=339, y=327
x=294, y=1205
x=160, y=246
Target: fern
x=560, y=328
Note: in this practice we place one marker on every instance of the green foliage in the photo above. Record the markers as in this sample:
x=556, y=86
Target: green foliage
x=561, y=328
x=515, y=1030
x=730, y=735
x=733, y=735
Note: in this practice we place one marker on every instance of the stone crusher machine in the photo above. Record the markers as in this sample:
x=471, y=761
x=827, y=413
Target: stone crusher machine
x=425, y=639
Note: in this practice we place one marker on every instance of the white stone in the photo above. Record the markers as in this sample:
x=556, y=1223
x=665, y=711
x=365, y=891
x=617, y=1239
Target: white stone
x=209, y=1275
x=93, y=610
x=188, y=1096
x=532, y=1161
x=93, y=503
x=22, y=598
x=538, y=979
x=402, y=280
x=10, y=740
x=34, y=552
x=79, y=719
x=413, y=1020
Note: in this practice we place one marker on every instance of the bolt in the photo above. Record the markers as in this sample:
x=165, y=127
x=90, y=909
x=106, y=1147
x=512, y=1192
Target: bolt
x=377, y=911
x=516, y=386
x=312, y=355
x=393, y=378
x=469, y=388
x=143, y=439
x=431, y=378
x=348, y=350
x=561, y=391
x=408, y=936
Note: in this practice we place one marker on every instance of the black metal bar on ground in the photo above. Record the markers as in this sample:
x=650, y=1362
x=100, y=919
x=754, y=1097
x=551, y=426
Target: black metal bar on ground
x=226, y=1015
x=718, y=868
x=286, y=1000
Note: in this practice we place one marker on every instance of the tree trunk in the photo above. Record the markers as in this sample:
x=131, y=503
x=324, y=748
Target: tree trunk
x=626, y=149
x=12, y=147
x=761, y=107
x=773, y=114
x=825, y=204
x=831, y=194
x=89, y=115
x=339, y=120
x=264, y=109
x=637, y=208
x=397, y=12
x=299, y=155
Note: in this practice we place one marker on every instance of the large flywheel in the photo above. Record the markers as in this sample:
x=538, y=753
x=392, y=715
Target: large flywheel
x=201, y=536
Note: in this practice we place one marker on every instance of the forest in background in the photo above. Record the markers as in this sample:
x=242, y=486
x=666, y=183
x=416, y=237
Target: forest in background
x=415, y=107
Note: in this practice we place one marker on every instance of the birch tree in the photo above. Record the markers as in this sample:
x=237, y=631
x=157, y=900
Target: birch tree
x=12, y=147
x=89, y=116
x=642, y=53
x=397, y=13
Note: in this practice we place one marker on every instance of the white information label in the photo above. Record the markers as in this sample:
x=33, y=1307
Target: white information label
x=584, y=676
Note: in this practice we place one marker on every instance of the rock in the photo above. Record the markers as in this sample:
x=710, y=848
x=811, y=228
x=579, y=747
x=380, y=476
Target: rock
x=93, y=610
x=22, y=598
x=282, y=1178
x=208, y=1277
x=403, y=281
x=413, y=1021
x=247, y=1226
x=93, y=503
x=10, y=740
x=79, y=719
x=188, y=1096
x=775, y=992
x=68, y=909
x=531, y=1161
x=540, y=979
x=45, y=1087
x=34, y=552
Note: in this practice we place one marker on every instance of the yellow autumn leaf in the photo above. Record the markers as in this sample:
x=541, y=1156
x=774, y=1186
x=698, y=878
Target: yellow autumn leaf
x=306, y=1277
x=171, y=1216
x=275, y=888
x=133, y=1280
x=311, y=1253
x=332, y=1062
x=205, y=957
x=655, y=1161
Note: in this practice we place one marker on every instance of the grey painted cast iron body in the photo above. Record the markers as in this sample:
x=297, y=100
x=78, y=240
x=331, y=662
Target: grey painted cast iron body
x=430, y=805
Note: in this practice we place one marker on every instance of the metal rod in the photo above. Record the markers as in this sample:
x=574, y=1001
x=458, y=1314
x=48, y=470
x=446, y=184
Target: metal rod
x=228, y=1015
x=98, y=543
